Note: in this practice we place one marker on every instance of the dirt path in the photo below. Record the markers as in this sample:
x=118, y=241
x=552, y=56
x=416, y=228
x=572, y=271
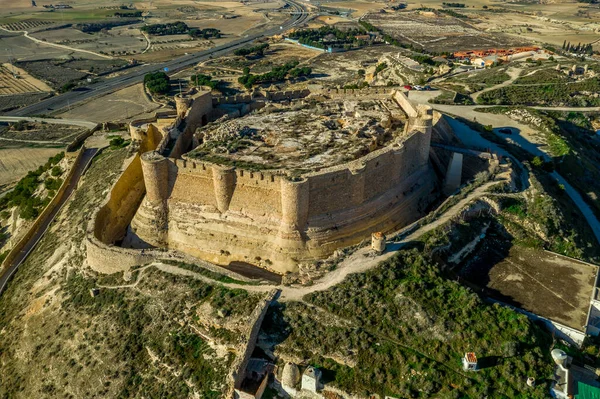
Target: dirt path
x=148, y=42
x=514, y=74
x=132, y=285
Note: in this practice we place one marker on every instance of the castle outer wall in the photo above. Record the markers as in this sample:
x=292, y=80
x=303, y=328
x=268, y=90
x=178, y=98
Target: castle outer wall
x=223, y=214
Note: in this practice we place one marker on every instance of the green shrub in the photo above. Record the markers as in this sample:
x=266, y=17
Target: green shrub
x=117, y=142
x=204, y=80
x=56, y=171
x=52, y=184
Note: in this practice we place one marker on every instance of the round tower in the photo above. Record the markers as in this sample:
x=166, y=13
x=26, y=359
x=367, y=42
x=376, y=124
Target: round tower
x=294, y=207
x=378, y=242
x=154, y=209
x=183, y=103
x=224, y=185
x=155, y=168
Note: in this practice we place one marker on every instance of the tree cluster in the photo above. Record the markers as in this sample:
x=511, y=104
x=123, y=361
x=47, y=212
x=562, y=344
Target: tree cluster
x=208, y=33
x=180, y=28
x=204, y=80
x=258, y=50
x=455, y=5
x=578, y=49
x=157, y=82
x=327, y=35
x=277, y=74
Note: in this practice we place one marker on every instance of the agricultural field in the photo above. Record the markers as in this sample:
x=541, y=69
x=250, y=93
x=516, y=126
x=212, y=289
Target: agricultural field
x=543, y=283
x=502, y=22
x=87, y=30
x=118, y=41
x=16, y=162
x=437, y=32
x=14, y=101
x=22, y=49
x=14, y=80
x=122, y=105
x=40, y=132
x=59, y=73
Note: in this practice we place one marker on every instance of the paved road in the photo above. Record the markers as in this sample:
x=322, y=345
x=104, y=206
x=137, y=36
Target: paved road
x=72, y=184
x=53, y=104
x=70, y=122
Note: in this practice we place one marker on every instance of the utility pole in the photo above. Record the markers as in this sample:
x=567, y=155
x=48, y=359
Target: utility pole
x=10, y=59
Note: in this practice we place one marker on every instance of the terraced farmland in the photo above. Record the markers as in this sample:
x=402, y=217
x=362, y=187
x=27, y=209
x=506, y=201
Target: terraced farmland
x=26, y=25
x=24, y=83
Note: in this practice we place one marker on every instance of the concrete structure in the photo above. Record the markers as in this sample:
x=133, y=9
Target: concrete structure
x=453, y=174
x=378, y=242
x=311, y=379
x=290, y=378
x=469, y=362
x=572, y=381
x=223, y=213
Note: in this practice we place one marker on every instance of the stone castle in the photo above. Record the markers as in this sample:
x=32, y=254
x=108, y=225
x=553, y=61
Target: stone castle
x=224, y=213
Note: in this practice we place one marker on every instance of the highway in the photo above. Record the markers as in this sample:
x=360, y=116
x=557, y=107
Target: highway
x=298, y=16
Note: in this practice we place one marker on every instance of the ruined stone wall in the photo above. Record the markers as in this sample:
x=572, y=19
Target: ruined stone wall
x=353, y=94
x=251, y=336
x=268, y=95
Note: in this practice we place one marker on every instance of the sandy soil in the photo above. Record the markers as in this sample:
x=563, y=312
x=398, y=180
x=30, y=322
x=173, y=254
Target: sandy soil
x=124, y=104
x=15, y=163
x=361, y=7
x=331, y=20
